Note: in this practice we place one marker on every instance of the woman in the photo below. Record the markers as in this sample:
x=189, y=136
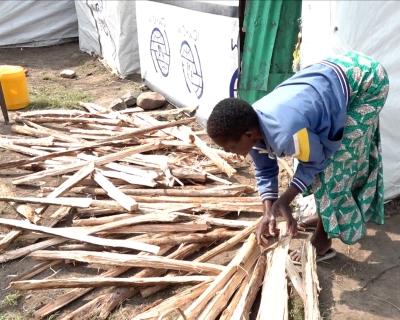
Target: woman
x=326, y=116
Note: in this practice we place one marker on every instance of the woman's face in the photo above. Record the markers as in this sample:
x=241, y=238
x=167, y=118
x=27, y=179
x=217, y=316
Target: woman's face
x=241, y=147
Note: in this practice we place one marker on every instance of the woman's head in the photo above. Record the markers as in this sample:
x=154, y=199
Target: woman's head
x=233, y=125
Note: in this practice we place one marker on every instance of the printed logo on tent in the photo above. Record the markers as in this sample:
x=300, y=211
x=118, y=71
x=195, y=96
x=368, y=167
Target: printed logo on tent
x=233, y=85
x=160, y=51
x=191, y=68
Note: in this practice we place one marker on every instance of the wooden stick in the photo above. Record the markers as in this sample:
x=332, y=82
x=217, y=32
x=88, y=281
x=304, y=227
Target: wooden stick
x=240, y=305
x=221, y=200
x=65, y=186
x=111, y=122
x=130, y=178
x=170, y=227
x=70, y=202
x=103, y=282
x=36, y=270
x=249, y=246
x=177, y=301
x=23, y=150
x=230, y=243
x=125, y=201
x=100, y=161
x=9, y=237
x=129, y=260
x=84, y=238
x=311, y=283
x=150, y=129
x=295, y=277
x=76, y=293
x=273, y=306
x=221, y=299
x=100, y=221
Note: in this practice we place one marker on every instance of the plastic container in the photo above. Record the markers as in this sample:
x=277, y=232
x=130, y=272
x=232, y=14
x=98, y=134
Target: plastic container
x=15, y=88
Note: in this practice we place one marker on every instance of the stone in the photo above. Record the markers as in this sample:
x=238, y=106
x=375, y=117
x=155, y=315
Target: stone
x=68, y=74
x=117, y=105
x=130, y=98
x=150, y=100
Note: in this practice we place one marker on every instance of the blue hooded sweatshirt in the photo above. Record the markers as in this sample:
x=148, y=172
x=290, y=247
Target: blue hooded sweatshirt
x=304, y=117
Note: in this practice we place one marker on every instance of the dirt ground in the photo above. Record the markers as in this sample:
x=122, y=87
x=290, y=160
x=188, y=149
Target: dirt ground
x=361, y=282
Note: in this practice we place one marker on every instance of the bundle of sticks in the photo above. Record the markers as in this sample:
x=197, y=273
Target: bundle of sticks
x=143, y=193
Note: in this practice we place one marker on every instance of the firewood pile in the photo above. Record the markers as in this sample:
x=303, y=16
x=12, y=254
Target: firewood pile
x=143, y=193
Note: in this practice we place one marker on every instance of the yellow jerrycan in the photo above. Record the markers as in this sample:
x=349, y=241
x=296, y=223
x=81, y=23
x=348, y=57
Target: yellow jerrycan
x=15, y=87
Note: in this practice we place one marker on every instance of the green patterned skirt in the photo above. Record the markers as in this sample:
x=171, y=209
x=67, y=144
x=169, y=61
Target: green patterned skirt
x=349, y=192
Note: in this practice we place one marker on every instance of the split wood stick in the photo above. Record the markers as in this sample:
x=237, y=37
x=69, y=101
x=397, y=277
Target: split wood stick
x=62, y=113
x=110, y=113
x=295, y=277
x=23, y=150
x=171, y=111
x=103, y=220
x=81, y=237
x=286, y=166
x=57, y=134
x=44, y=142
x=110, y=122
x=36, y=270
x=70, y=202
x=9, y=237
x=76, y=293
x=246, y=295
x=116, y=296
x=100, y=161
x=177, y=301
x=207, y=151
x=117, y=259
x=222, y=200
x=185, y=173
x=155, y=192
x=104, y=282
x=130, y=178
x=197, y=306
x=170, y=227
x=102, y=132
x=273, y=306
x=65, y=186
x=125, y=201
x=123, y=168
x=150, y=129
x=60, y=214
x=230, y=243
x=311, y=283
x=215, y=235
x=132, y=110
x=221, y=299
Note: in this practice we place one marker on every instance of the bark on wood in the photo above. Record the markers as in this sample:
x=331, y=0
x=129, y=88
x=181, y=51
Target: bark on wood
x=27, y=212
x=130, y=260
x=311, y=283
x=81, y=237
x=102, y=220
x=273, y=306
x=103, y=282
x=125, y=201
x=70, y=202
x=23, y=150
x=243, y=254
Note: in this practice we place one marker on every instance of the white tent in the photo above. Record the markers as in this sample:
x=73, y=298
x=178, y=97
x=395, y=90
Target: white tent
x=32, y=23
x=370, y=27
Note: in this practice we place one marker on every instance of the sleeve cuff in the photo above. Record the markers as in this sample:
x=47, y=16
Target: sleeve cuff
x=269, y=196
x=298, y=184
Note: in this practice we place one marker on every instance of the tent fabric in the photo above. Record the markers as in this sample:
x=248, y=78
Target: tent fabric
x=371, y=28
x=108, y=29
x=32, y=23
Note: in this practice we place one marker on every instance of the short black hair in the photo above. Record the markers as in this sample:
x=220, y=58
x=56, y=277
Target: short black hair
x=230, y=119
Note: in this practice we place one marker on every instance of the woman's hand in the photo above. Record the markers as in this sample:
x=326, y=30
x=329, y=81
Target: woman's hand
x=271, y=210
